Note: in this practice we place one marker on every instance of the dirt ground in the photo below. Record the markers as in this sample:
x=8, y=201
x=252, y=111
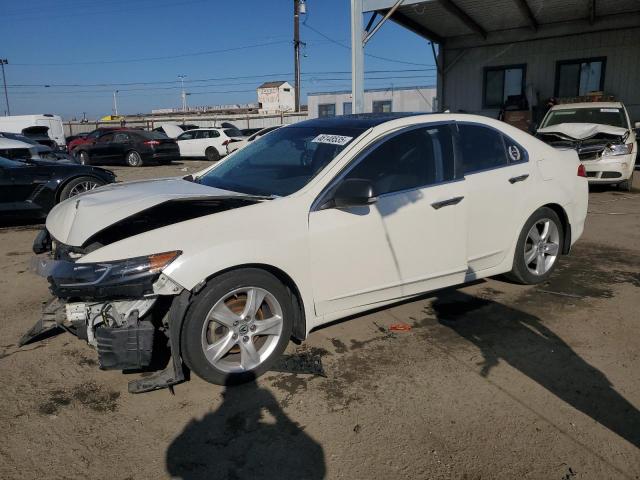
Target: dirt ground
x=494, y=381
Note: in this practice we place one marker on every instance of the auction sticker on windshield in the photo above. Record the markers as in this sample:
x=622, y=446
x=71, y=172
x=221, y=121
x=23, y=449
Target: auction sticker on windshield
x=332, y=139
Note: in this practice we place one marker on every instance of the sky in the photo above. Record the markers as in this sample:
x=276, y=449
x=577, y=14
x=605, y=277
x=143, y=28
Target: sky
x=68, y=56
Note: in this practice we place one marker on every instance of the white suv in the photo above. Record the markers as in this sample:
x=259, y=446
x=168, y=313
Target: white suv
x=207, y=142
x=602, y=135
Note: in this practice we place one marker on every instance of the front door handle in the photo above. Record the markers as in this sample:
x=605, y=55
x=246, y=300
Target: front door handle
x=520, y=178
x=444, y=203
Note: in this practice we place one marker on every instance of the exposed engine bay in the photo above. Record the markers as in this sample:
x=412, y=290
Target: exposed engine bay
x=588, y=149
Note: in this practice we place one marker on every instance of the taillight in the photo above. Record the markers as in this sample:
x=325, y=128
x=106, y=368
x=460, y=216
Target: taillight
x=226, y=142
x=151, y=143
x=582, y=172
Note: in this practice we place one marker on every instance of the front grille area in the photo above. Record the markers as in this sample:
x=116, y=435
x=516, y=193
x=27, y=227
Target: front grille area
x=588, y=156
x=611, y=175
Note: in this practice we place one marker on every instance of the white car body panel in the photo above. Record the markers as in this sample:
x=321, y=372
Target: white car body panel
x=583, y=130
x=171, y=130
x=344, y=261
x=73, y=221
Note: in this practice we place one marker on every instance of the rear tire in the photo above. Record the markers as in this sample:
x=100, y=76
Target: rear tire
x=539, y=246
x=134, y=159
x=225, y=341
x=79, y=185
x=212, y=154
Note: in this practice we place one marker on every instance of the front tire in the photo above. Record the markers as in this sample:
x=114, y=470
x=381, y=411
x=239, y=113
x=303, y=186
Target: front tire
x=237, y=326
x=539, y=246
x=79, y=185
x=134, y=159
x=212, y=154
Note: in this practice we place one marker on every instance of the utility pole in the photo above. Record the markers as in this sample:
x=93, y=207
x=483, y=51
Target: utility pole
x=183, y=94
x=299, y=7
x=3, y=62
x=115, y=103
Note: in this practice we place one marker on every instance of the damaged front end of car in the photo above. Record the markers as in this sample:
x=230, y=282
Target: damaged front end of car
x=121, y=308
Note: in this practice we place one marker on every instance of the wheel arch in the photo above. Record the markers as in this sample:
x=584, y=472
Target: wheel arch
x=66, y=181
x=299, y=331
x=566, y=225
x=299, y=322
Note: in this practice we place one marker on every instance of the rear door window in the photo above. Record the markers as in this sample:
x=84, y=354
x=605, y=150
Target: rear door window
x=480, y=148
x=121, y=138
x=106, y=138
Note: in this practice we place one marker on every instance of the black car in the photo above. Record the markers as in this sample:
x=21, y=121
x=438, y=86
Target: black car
x=131, y=147
x=30, y=188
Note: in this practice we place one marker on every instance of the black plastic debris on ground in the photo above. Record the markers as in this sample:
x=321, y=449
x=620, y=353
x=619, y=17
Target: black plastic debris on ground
x=307, y=362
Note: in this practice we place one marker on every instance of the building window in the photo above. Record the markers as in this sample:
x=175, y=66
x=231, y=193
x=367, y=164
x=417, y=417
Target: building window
x=500, y=83
x=286, y=89
x=579, y=77
x=381, y=106
x=327, y=110
x=346, y=108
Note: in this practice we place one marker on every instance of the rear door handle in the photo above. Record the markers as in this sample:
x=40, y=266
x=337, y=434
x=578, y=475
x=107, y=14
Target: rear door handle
x=445, y=203
x=520, y=178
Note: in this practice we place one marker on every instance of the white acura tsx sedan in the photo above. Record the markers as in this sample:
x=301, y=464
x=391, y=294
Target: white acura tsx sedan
x=313, y=222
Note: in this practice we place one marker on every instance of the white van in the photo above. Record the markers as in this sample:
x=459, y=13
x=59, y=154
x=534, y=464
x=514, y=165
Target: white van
x=17, y=123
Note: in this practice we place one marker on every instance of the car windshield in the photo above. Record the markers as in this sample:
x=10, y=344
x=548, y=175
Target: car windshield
x=280, y=163
x=603, y=116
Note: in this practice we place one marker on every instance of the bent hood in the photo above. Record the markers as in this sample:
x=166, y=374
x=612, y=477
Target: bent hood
x=582, y=131
x=75, y=220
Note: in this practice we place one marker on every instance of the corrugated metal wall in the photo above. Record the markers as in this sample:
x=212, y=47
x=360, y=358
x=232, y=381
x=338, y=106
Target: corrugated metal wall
x=464, y=79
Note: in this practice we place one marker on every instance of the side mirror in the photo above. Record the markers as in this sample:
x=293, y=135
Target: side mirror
x=353, y=192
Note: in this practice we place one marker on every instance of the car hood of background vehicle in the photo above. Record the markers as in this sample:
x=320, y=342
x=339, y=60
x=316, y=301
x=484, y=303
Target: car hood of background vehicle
x=582, y=131
x=77, y=219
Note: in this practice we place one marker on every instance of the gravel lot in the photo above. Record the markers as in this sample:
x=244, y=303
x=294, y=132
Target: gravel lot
x=494, y=380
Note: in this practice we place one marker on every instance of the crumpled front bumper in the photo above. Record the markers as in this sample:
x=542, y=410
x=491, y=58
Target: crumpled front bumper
x=119, y=315
x=613, y=169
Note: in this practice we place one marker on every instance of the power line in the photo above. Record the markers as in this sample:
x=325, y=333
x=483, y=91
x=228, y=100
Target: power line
x=149, y=59
x=202, y=80
x=177, y=87
x=367, y=54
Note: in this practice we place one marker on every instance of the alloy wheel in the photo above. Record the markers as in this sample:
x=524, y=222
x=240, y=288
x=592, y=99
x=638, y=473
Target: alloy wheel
x=83, y=187
x=133, y=159
x=542, y=246
x=242, y=329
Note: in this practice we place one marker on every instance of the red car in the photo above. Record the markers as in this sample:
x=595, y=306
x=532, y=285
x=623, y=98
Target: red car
x=90, y=138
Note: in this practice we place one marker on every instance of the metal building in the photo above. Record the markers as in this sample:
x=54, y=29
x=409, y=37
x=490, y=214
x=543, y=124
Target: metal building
x=397, y=99
x=490, y=50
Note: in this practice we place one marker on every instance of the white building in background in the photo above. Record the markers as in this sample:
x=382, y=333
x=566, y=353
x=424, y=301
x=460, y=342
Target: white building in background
x=276, y=97
x=397, y=99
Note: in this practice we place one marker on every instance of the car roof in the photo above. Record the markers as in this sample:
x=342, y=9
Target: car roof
x=569, y=106
x=358, y=120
